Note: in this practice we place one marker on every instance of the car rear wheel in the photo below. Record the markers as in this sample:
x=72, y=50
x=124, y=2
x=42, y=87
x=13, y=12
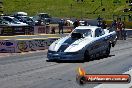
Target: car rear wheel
x=113, y=44
x=107, y=53
x=86, y=56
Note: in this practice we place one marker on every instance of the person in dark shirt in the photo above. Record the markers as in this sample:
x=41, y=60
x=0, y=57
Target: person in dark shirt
x=85, y=23
x=76, y=23
x=103, y=25
x=99, y=24
x=114, y=24
x=61, y=24
x=119, y=30
x=124, y=35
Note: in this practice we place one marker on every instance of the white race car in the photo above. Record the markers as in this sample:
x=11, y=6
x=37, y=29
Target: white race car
x=84, y=43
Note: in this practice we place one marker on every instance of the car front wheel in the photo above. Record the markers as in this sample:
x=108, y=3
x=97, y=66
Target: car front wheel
x=86, y=56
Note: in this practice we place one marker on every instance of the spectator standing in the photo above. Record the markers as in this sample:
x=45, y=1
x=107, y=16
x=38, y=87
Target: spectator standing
x=76, y=24
x=61, y=24
x=114, y=24
x=99, y=18
x=119, y=30
x=85, y=23
x=99, y=23
x=103, y=25
x=123, y=31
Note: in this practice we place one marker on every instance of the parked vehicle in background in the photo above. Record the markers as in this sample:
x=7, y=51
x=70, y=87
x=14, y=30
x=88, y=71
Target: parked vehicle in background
x=44, y=17
x=81, y=22
x=20, y=14
x=13, y=20
x=26, y=19
x=3, y=22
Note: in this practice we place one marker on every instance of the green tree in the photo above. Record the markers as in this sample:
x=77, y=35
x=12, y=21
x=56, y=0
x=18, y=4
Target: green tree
x=116, y=1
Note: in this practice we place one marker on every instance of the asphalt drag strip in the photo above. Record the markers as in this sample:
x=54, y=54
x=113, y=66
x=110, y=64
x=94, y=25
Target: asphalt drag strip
x=33, y=71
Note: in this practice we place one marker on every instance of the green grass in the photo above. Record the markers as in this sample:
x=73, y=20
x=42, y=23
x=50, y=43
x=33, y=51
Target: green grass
x=66, y=8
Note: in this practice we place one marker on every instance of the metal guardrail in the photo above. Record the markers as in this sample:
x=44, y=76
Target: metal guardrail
x=25, y=45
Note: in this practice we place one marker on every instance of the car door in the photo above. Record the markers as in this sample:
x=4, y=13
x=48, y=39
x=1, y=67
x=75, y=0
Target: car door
x=98, y=42
x=104, y=40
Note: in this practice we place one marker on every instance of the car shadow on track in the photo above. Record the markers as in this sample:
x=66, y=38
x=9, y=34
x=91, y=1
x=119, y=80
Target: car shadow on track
x=66, y=61
x=99, y=58
x=77, y=61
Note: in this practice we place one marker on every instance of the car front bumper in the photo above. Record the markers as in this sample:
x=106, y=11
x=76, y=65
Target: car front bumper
x=65, y=56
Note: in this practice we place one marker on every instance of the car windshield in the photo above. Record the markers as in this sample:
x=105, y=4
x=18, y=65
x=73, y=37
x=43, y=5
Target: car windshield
x=35, y=18
x=84, y=32
x=27, y=19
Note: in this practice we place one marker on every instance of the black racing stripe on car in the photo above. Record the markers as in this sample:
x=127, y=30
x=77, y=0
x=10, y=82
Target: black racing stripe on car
x=66, y=44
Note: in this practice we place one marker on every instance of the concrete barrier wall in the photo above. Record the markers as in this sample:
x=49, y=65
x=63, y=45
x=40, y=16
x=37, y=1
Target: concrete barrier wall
x=25, y=45
x=45, y=29
x=7, y=45
x=31, y=44
x=22, y=45
x=39, y=43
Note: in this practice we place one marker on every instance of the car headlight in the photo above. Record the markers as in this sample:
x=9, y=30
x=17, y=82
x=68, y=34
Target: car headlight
x=71, y=53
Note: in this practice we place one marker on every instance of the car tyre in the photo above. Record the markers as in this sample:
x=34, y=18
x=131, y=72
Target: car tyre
x=107, y=51
x=86, y=56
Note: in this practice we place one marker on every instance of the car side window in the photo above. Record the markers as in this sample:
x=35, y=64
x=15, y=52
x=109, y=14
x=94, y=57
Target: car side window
x=111, y=29
x=99, y=32
x=8, y=19
x=102, y=32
